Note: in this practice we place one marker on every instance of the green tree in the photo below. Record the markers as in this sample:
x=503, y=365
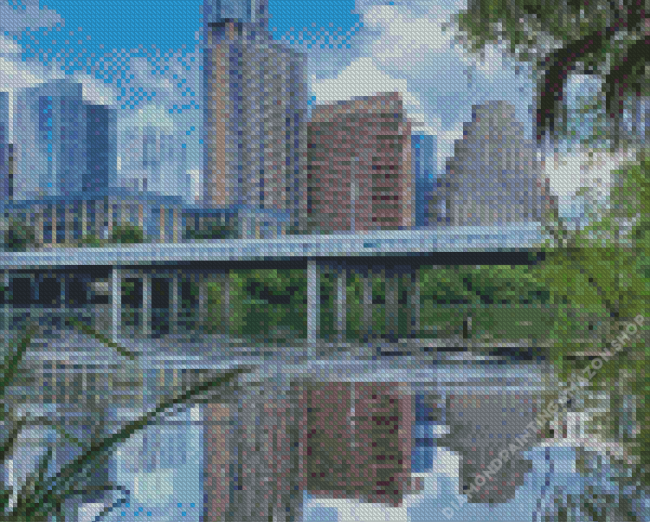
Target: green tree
x=562, y=37
x=127, y=233
x=602, y=274
x=18, y=236
x=92, y=240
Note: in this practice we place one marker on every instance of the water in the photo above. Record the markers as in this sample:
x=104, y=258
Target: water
x=466, y=410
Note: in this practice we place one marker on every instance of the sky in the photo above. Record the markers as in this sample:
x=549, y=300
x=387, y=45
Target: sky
x=143, y=58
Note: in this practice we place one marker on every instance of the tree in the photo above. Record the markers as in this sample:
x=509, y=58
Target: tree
x=602, y=271
x=18, y=237
x=608, y=40
x=127, y=233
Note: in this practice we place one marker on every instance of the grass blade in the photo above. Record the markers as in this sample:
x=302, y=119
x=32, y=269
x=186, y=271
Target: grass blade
x=91, y=332
x=62, y=485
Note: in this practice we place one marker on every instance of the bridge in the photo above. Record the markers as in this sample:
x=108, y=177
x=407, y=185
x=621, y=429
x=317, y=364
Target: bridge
x=61, y=278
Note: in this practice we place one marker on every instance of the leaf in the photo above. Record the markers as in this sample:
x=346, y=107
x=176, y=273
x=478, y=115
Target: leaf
x=63, y=484
x=12, y=359
x=35, y=482
x=102, y=339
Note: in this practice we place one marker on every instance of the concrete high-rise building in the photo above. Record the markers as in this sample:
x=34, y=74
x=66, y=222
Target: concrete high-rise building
x=5, y=181
x=152, y=160
x=253, y=13
x=255, y=104
x=63, y=146
x=360, y=175
x=494, y=177
x=424, y=161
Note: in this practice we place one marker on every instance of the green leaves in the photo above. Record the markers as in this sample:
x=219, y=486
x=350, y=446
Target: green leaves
x=605, y=39
x=127, y=234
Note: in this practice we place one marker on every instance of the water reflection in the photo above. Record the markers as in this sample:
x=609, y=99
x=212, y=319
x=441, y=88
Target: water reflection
x=351, y=439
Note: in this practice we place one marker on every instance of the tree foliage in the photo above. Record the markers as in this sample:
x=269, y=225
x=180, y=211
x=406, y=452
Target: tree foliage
x=601, y=273
x=608, y=40
x=18, y=236
x=127, y=233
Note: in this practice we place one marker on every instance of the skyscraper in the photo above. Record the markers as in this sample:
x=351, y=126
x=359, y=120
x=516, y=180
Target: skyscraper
x=5, y=181
x=359, y=166
x=101, y=149
x=494, y=177
x=153, y=160
x=423, y=158
x=255, y=99
x=63, y=145
x=253, y=13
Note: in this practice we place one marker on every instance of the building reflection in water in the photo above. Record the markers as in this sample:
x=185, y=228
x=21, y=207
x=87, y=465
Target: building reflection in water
x=337, y=440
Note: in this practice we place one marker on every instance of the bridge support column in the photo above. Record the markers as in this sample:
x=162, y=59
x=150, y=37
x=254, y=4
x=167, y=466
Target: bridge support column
x=116, y=302
x=4, y=281
x=313, y=301
x=146, y=304
x=391, y=304
x=414, y=315
x=341, y=302
x=366, y=315
x=173, y=312
x=203, y=303
x=226, y=302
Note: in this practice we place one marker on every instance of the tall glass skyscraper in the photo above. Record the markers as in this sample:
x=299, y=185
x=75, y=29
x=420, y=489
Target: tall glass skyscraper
x=101, y=149
x=63, y=145
x=255, y=103
x=423, y=158
x=254, y=12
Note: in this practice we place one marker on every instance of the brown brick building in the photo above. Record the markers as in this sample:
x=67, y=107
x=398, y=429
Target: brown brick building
x=359, y=173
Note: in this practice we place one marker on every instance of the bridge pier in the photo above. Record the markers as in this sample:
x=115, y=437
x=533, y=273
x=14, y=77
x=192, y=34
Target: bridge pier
x=173, y=316
x=115, y=287
x=313, y=301
x=146, y=304
x=340, y=302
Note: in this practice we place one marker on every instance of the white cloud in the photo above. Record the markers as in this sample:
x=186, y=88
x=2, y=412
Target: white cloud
x=406, y=39
x=17, y=18
x=363, y=78
x=360, y=78
x=9, y=49
x=569, y=172
x=96, y=91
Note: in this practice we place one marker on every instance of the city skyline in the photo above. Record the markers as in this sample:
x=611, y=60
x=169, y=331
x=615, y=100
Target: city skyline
x=165, y=87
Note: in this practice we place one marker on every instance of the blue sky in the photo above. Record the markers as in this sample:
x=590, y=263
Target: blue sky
x=142, y=57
